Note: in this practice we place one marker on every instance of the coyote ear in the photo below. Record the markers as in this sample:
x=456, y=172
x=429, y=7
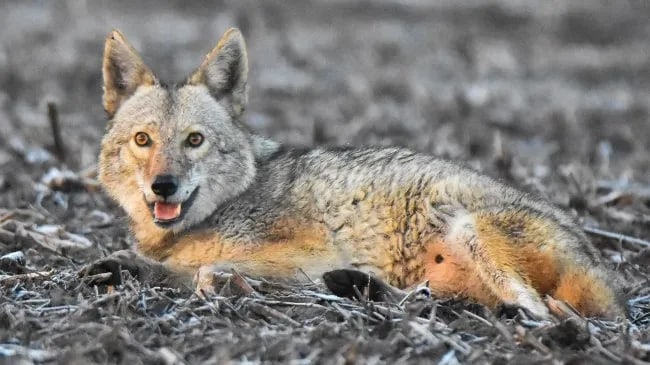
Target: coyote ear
x=123, y=71
x=225, y=71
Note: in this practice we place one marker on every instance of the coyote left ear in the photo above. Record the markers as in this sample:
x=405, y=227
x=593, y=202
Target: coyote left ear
x=225, y=72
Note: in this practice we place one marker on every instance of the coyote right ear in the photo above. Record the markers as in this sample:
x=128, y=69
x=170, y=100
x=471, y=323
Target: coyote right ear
x=224, y=71
x=123, y=72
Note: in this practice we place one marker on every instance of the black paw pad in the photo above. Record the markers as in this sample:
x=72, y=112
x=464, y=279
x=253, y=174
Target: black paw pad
x=342, y=283
x=508, y=311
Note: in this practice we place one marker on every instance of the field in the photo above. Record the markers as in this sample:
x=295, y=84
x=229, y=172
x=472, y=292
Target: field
x=552, y=97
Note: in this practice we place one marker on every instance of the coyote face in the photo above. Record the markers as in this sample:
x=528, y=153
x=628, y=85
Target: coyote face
x=173, y=154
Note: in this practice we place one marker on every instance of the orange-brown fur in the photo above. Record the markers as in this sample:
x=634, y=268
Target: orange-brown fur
x=288, y=249
x=449, y=275
x=584, y=292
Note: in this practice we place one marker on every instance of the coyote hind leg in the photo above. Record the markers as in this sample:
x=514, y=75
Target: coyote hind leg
x=492, y=256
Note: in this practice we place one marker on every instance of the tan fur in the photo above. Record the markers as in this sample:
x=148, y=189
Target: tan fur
x=404, y=216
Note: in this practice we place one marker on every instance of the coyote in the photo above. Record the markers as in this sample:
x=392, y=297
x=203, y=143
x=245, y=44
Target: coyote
x=205, y=194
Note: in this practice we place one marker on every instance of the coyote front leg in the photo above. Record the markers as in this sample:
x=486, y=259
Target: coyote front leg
x=290, y=259
x=143, y=268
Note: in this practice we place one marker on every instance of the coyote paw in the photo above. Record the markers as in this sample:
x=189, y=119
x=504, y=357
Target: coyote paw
x=114, y=264
x=342, y=283
x=205, y=281
x=510, y=311
x=222, y=279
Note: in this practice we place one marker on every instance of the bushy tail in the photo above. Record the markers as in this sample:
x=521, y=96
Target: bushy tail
x=589, y=292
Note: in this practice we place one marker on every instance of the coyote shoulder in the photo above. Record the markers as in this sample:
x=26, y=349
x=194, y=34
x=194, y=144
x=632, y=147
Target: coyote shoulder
x=204, y=193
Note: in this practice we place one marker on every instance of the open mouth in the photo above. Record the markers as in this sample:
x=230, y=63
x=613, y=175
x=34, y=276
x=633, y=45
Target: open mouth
x=166, y=214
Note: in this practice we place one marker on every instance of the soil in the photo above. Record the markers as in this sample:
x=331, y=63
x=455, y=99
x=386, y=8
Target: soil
x=552, y=97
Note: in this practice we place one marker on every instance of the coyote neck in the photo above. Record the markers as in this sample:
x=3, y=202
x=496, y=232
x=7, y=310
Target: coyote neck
x=152, y=241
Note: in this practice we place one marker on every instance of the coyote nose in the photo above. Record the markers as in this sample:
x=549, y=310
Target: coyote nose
x=165, y=185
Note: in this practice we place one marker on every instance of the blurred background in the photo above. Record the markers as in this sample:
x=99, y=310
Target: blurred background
x=552, y=96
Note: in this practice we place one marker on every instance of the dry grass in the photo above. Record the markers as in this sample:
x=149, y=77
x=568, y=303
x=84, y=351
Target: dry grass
x=55, y=317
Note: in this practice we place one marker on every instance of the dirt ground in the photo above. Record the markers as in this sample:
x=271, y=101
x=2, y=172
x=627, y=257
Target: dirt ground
x=551, y=96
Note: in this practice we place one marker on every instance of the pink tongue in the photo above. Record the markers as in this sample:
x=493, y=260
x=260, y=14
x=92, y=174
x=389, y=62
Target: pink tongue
x=166, y=211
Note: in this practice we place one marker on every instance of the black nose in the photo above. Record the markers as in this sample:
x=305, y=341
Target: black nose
x=165, y=185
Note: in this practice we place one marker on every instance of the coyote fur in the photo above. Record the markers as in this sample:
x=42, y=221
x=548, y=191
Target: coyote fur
x=205, y=194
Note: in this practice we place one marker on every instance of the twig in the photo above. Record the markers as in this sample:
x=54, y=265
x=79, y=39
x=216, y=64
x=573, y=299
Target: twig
x=536, y=343
x=170, y=356
x=603, y=351
x=626, y=217
x=55, y=245
x=459, y=346
x=618, y=236
x=7, y=216
x=13, y=263
x=564, y=310
x=53, y=116
x=269, y=312
x=344, y=312
x=477, y=317
x=427, y=335
x=307, y=276
x=417, y=290
x=448, y=358
x=10, y=350
x=360, y=297
x=105, y=299
x=636, y=300
x=290, y=304
x=500, y=327
x=241, y=283
x=12, y=279
x=97, y=278
x=61, y=308
x=639, y=190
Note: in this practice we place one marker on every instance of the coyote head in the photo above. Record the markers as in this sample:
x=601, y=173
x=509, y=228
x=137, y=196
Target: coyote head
x=172, y=154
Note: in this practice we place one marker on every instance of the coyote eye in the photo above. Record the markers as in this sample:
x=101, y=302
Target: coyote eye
x=194, y=139
x=142, y=139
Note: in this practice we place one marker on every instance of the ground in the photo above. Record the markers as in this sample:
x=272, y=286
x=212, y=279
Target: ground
x=552, y=97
